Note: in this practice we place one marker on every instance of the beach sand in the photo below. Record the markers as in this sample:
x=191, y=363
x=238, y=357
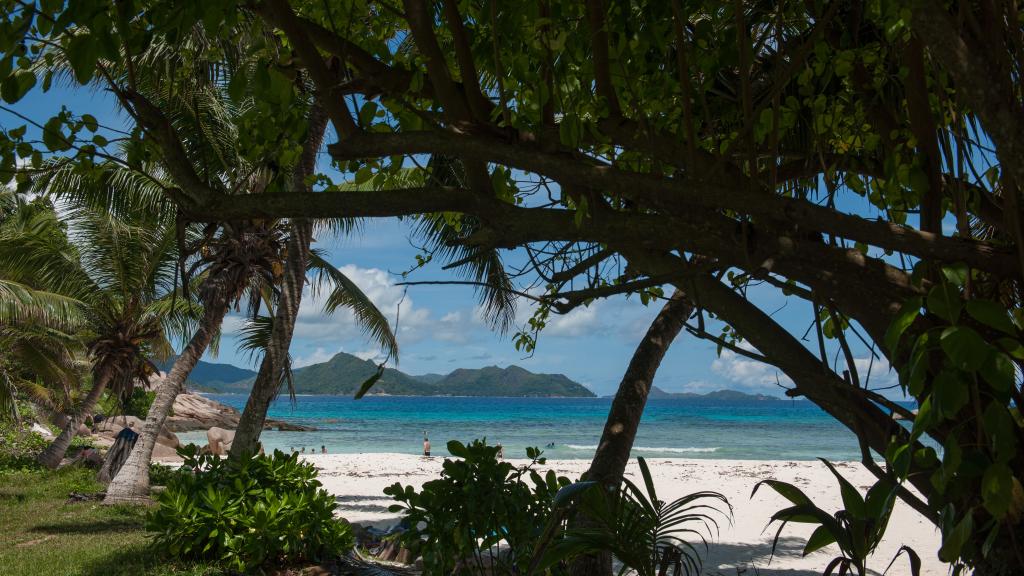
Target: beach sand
x=743, y=548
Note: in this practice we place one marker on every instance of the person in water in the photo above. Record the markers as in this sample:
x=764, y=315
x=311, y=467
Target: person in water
x=323, y=449
x=426, y=446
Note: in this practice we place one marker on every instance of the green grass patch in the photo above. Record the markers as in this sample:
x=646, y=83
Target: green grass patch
x=44, y=534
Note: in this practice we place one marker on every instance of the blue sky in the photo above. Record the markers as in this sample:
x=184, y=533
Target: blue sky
x=440, y=329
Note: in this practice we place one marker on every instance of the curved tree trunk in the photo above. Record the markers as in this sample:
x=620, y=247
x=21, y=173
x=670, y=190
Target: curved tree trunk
x=131, y=484
x=612, y=454
x=54, y=453
x=274, y=364
x=272, y=368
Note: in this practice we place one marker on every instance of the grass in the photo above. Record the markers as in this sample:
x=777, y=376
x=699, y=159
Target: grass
x=41, y=533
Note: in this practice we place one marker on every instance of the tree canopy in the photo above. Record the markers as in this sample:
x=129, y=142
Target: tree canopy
x=861, y=156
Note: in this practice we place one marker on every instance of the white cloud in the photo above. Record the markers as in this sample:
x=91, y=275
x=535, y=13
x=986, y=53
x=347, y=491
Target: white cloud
x=315, y=357
x=578, y=322
x=314, y=325
x=748, y=373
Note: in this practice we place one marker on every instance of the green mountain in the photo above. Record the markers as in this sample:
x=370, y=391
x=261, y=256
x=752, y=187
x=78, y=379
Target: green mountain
x=344, y=373
x=725, y=395
x=214, y=377
x=511, y=381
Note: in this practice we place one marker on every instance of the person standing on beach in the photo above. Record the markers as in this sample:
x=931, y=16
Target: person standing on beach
x=501, y=452
x=323, y=449
x=426, y=445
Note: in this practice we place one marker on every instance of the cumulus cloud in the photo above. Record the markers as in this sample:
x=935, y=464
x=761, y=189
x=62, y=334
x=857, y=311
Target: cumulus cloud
x=747, y=372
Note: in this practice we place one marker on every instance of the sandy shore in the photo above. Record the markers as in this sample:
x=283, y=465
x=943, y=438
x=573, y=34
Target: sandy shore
x=741, y=549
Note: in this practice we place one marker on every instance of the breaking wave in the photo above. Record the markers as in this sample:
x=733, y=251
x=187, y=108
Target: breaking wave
x=650, y=449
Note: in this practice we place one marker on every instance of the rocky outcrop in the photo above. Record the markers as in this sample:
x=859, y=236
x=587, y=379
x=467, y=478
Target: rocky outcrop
x=195, y=412
x=107, y=430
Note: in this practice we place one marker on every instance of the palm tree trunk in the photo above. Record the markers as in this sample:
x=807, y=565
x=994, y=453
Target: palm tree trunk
x=54, y=453
x=132, y=482
x=274, y=364
x=612, y=454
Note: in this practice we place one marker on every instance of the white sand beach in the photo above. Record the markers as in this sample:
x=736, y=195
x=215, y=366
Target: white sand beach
x=741, y=549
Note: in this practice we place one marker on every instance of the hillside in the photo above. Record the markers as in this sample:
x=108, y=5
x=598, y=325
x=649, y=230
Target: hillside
x=723, y=395
x=344, y=373
x=214, y=377
x=511, y=381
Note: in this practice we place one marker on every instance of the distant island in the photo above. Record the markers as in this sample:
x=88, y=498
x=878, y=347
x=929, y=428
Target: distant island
x=344, y=373
x=724, y=395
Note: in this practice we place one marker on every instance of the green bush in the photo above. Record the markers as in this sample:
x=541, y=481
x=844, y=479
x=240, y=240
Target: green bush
x=161, y=474
x=137, y=404
x=268, y=510
x=19, y=447
x=458, y=521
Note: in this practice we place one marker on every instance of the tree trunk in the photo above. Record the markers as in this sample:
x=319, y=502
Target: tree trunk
x=612, y=454
x=272, y=368
x=131, y=484
x=54, y=453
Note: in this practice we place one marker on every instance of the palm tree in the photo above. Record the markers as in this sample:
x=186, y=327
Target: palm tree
x=122, y=273
x=38, y=347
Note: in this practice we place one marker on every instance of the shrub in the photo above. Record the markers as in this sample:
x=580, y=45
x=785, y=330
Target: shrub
x=136, y=405
x=264, y=510
x=19, y=446
x=161, y=474
x=459, y=520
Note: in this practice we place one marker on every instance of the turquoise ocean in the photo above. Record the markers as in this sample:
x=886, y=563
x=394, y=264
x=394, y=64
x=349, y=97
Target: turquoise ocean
x=671, y=428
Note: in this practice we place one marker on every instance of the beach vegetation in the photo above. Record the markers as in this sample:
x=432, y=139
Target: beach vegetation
x=648, y=535
x=248, y=514
x=861, y=160
x=46, y=532
x=856, y=530
x=482, y=516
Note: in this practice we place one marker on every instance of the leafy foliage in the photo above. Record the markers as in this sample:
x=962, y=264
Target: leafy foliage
x=257, y=512
x=19, y=446
x=648, y=535
x=857, y=529
x=482, y=514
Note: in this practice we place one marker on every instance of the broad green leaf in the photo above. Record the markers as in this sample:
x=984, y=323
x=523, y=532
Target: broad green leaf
x=944, y=301
x=997, y=489
x=15, y=86
x=83, y=52
x=786, y=490
x=853, y=502
x=999, y=372
x=992, y=315
x=906, y=316
x=950, y=390
x=953, y=541
x=820, y=538
x=964, y=347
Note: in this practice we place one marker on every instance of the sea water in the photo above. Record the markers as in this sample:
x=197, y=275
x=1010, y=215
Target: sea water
x=671, y=428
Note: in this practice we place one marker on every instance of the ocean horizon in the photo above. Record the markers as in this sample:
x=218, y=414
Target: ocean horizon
x=671, y=428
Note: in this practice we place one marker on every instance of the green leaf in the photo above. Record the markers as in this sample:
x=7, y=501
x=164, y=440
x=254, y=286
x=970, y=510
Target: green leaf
x=853, y=502
x=950, y=389
x=786, y=490
x=944, y=301
x=90, y=122
x=365, y=386
x=15, y=86
x=820, y=538
x=964, y=347
x=999, y=372
x=456, y=448
x=82, y=53
x=955, y=274
x=53, y=135
x=997, y=489
x=906, y=316
x=953, y=541
x=567, y=493
x=992, y=315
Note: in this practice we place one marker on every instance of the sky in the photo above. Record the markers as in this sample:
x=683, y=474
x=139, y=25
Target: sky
x=440, y=328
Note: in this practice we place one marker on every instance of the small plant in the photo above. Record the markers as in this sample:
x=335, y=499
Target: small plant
x=19, y=446
x=161, y=474
x=648, y=535
x=857, y=529
x=461, y=521
x=267, y=510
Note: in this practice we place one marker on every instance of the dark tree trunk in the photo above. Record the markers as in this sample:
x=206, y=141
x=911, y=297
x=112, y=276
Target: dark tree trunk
x=54, y=453
x=274, y=364
x=627, y=408
x=272, y=368
x=131, y=483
